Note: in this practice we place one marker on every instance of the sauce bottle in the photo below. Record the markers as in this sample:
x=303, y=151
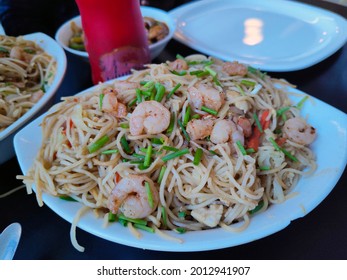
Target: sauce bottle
x=115, y=37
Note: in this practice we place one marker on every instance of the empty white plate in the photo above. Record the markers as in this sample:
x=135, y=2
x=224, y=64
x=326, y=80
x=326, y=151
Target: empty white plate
x=272, y=35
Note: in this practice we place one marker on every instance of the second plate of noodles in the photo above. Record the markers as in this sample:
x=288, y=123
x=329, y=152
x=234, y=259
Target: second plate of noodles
x=185, y=146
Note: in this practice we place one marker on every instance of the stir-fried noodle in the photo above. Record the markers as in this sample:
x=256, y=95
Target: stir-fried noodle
x=186, y=145
x=25, y=72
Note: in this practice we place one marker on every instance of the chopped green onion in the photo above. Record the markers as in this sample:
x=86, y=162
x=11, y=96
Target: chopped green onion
x=205, y=62
x=257, y=122
x=125, y=145
x=110, y=152
x=172, y=123
x=160, y=92
x=132, y=102
x=139, y=156
x=124, y=125
x=301, y=102
x=264, y=168
x=146, y=93
x=98, y=144
x=141, y=166
x=147, y=161
x=134, y=221
x=257, y=208
x=288, y=154
x=169, y=148
x=173, y=90
x=164, y=215
x=124, y=223
x=213, y=153
x=186, y=116
x=273, y=142
x=282, y=110
x=186, y=135
x=241, y=90
x=111, y=217
x=142, y=83
x=4, y=50
x=161, y=174
x=182, y=214
x=241, y=148
x=138, y=161
x=250, y=151
x=149, y=84
x=199, y=73
x=67, y=198
x=209, y=110
x=149, y=194
x=178, y=56
x=197, y=156
x=256, y=72
x=210, y=71
x=101, y=98
x=181, y=73
x=213, y=74
x=146, y=228
x=138, y=96
x=158, y=141
x=175, y=154
x=248, y=83
x=278, y=148
x=180, y=230
x=196, y=116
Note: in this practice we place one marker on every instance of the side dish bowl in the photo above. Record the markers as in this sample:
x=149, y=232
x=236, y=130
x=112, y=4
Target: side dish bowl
x=64, y=33
x=52, y=48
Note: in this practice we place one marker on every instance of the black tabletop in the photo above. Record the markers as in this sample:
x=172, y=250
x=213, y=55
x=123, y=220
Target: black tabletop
x=321, y=234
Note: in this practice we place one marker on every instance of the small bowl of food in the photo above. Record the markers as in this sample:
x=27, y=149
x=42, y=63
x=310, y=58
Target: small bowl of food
x=159, y=25
x=31, y=70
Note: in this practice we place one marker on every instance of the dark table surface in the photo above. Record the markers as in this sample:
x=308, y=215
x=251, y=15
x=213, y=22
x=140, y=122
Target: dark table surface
x=321, y=234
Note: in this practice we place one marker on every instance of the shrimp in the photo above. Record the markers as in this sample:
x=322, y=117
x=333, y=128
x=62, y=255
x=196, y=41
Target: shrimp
x=235, y=69
x=19, y=53
x=150, y=117
x=178, y=65
x=199, y=129
x=298, y=131
x=130, y=197
x=111, y=105
x=246, y=126
x=226, y=130
x=204, y=95
x=120, y=86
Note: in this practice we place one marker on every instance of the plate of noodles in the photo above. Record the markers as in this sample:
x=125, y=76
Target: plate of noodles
x=190, y=155
x=32, y=68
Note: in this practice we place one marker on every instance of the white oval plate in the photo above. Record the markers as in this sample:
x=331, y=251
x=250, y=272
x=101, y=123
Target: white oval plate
x=331, y=159
x=52, y=48
x=272, y=35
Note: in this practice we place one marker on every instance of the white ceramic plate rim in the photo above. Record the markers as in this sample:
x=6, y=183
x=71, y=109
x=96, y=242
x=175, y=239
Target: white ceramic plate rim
x=191, y=37
x=146, y=11
x=331, y=159
x=51, y=47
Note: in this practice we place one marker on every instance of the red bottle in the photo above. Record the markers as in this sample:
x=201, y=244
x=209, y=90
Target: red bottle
x=115, y=37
